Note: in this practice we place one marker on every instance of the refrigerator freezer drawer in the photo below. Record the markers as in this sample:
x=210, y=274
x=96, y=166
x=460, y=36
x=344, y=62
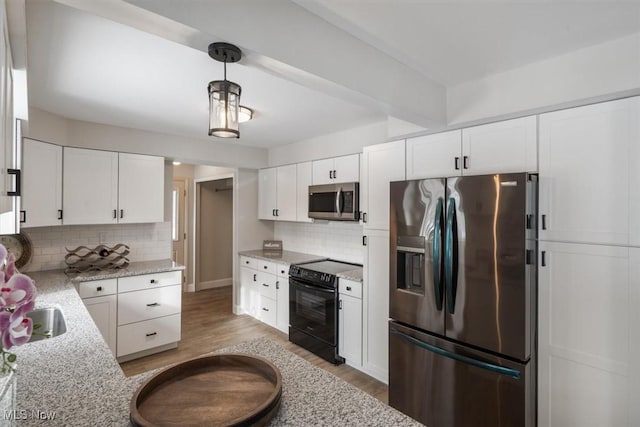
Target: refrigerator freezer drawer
x=442, y=384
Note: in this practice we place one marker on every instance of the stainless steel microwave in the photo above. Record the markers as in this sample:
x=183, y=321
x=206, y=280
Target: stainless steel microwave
x=337, y=202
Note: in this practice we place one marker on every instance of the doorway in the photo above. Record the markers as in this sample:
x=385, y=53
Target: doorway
x=214, y=233
x=179, y=226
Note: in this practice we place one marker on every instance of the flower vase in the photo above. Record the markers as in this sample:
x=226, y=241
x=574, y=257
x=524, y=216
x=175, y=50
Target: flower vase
x=7, y=398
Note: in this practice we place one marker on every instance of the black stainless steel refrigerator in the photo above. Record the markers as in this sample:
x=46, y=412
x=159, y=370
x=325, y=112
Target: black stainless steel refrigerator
x=463, y=287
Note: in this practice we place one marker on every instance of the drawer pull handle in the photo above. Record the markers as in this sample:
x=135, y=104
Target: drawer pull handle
x=277, y=284
x=265, y=267
x=265, y=285
x=152, y=334
x=99, y=289
x=348, y=288
x=154, y=304
x=265, y=309
x=153, y=281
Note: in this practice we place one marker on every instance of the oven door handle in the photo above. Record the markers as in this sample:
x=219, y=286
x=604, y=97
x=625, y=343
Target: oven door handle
x=312, y=288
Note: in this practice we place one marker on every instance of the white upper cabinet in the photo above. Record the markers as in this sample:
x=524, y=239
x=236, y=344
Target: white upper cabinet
x=277, y=193
x=41, y=184
x=140, y=188
x=303, y=181
x=507, y=146
x=336, y=169
x=97, y=190
x=267, y=193
x=589, y=177
x=90, y=180
x=434, y=156
x=6, y=117
x=382, y=164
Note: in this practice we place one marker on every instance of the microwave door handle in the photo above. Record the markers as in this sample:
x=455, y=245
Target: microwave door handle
x=338, y=197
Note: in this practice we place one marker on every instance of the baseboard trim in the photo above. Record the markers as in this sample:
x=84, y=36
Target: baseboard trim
x=191, y=287
x=210, y=284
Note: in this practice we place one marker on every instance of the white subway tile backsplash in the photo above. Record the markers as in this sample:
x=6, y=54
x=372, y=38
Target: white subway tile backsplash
x=146, y=242
x=337, y=240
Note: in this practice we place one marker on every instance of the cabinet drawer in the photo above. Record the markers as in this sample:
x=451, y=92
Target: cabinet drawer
x=267, y=312
x=246, y=261
x=267, y=284
x=350, y=287
x=141, y=336
x=146, y=281
x=97, y=288
x=266, y=266
x=282, y=270
x=149, y=303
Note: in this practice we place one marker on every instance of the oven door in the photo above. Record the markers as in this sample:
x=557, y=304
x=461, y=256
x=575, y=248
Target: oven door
x=312, y=309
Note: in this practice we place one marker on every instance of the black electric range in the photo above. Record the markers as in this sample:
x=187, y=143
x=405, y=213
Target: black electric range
x=314, y=305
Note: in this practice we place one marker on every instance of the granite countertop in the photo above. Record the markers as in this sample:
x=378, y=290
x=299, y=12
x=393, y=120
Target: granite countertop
x=355, y=274
x=133, y=269
x=284, y=257
x=75, y=374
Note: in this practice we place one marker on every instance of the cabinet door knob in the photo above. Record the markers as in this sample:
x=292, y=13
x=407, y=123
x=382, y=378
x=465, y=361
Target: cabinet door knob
x=99, y=288
x=265, y=267
x=153, y=281
x=348, y=288
x=246, y=262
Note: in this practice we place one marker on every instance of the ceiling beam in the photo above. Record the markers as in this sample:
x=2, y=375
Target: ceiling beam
x=287, y=40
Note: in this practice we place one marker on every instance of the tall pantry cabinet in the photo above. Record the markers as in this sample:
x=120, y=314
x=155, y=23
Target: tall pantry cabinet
x=381, y=164
x=589, y=279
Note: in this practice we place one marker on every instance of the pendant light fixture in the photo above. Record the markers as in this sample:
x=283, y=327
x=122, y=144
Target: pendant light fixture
x=224, y=96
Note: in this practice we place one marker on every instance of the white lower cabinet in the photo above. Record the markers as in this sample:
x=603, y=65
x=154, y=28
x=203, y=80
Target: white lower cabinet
x=99, y=297
x=589, y=340
x=264, y=290
x=350, y=321
x=135, y=313
x=145, y=335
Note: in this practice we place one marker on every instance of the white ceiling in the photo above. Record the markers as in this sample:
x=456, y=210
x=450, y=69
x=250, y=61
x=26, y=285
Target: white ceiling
x=90, y=68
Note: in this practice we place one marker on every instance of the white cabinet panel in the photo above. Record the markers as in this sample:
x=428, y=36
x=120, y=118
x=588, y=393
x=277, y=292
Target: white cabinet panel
x=267, y=193
x=282, y=302
x=246, y=286
x=350, y=329
x=584, y=332
x=149, y=303
x=336, y=169
x=90, y=193
x=103, y=311
x=585, y=157
x=346, y=168
x=350, y=287
x=383, y=163
x=634, y=336
x=434, y=156
x=140, y=188
x=267, y=284
x=634, y=170
x=375, y=302
x=286, y=191
x=246, y=261
x=507, y=146
x=98, y=288
x=140, y=336
x=267, y=310
x=147, y=281
x=41, y=184
x=303, y=181
x=322, y=171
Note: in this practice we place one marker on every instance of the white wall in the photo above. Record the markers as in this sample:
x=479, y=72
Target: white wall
x=146, y=241
x=338, y=240
x=336, y=144
x=49, y=127
x=596, y=73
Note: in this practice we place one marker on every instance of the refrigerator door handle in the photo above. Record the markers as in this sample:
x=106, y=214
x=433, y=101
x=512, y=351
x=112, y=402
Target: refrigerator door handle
x=437, y=255
x=458, y=357
x=451, y=256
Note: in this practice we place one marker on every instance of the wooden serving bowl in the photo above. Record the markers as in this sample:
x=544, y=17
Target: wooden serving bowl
x=216, y=390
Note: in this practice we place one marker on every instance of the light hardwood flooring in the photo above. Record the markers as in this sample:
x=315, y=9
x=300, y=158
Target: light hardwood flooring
x=208, y=324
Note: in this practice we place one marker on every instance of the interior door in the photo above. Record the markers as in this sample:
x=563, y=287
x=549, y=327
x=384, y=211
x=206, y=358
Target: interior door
x=416, y=237
x=489, y=296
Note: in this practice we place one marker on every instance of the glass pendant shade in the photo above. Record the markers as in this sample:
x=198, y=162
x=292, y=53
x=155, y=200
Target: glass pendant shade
x=224, y=103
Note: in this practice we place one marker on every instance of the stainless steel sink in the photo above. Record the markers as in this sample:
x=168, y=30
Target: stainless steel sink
x=51, y=323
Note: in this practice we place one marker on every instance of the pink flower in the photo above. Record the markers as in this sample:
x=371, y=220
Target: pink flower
x=16, y=327
x=16, y=291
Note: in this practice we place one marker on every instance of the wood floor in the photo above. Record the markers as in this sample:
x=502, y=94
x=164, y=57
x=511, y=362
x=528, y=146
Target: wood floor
x=208, y=324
